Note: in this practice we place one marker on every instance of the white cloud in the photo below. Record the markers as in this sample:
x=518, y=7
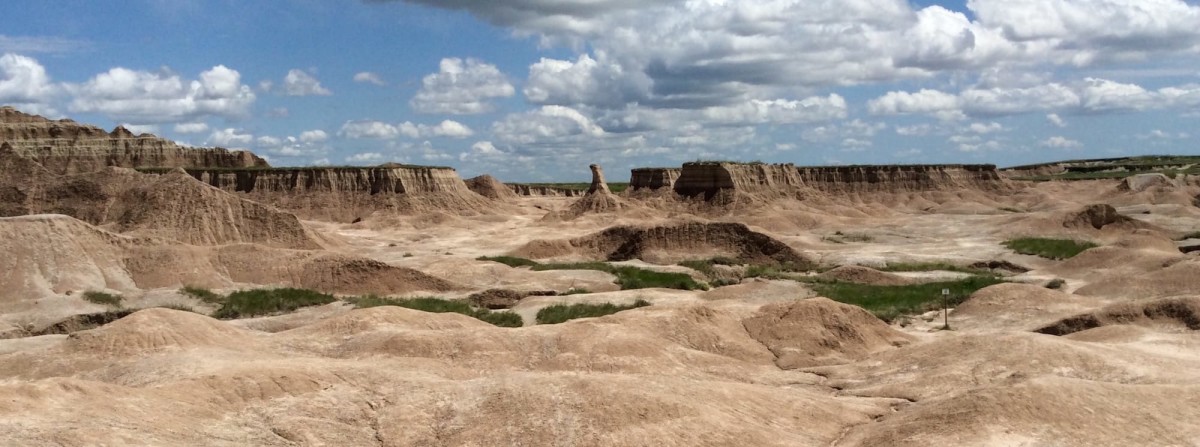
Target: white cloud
x=369, y=129
x=267, y=140
x=146, y=97
x=40, y=44
x=199, y=127
x=779, y=111
x=985, y=128
x=369, y=78
x=385, y=131
x=448, y=128
x=1059, y=142
x=925, y=101
x=1056, y=120
x=139, y=129
x=24, y=81
x=230, y=138
x=461, y=88
x=365, y=157
x=548, y=122
x=313, y=136
x=300, y=83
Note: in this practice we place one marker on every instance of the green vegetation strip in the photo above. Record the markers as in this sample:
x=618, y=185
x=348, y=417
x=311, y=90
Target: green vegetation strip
x=559, y=313
x=202, y=294
x=930, y=267
x=252, y=303
x=890, y=302
x=627, y=277
x=439, y=305
x=1049, y=248
x=105, y=299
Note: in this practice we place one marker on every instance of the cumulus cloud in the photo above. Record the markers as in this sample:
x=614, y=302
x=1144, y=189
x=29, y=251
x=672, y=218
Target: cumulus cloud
x=313, y=136
x=365, y=157
x=1059, y=142
x=385, y=131
x=547, y=122
x=199, y=127
x=231, y=138
x=157, y=97
x=369, y=78
x=1091, y=95
x=299, y=83
x=1056, y=120
x=462, y=87
x=25, y=84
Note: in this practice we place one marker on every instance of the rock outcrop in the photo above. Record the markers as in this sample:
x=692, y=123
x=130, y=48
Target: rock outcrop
x=710, y=179
x=653, y=178
x=598, y=199
x=673, y=243
x=488, y=186
x=544, y=191
x=347, y=193
x=67, y=147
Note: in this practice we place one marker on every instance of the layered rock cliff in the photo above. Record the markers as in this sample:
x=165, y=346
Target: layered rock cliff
x=711, y=179
x=347, y=193
x=653, y=178
x=67, y=147
x=544, y=191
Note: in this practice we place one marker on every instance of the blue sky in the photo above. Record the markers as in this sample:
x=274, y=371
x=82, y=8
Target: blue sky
x=535, y=90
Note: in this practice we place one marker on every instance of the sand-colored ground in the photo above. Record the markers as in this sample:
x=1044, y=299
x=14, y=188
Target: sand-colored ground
x=1112, y=358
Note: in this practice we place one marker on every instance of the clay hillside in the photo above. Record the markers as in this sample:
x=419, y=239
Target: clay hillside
x=155, y=294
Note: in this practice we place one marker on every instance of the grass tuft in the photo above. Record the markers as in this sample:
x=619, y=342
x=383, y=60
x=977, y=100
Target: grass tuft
x=102, y=298
x=890, y=302
x=250, y=303
x=1049, y=248
x=440, y=305
x=559, y=313
x=627, y=277
x=511, y=261
x=929, y=267
x=202, y=294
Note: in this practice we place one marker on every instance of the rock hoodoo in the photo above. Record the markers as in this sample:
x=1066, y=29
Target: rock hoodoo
x=67, y=147
x=598, y=199
x=598, y=183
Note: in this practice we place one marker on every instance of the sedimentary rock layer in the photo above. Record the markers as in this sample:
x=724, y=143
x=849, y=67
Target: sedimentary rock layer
x=710, y=179
x=345, y=194
x=67, y=147
x=653, y=178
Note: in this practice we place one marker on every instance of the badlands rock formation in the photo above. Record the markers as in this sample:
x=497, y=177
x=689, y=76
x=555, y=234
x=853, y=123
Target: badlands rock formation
x=653, y=178
x=346, y=194
x=66, y=147
x=763, y=357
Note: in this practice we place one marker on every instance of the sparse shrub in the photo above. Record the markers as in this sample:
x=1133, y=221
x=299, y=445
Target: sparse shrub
x=559, y=313
x=440, y=305
x=102, y=298
x=929, y=267
x=408, y=255
x=202, y=294
x=250, y=303
x=1056, y=283
x=722, y=282
x=576, y=291
x=1049, y=248
x=632, y=277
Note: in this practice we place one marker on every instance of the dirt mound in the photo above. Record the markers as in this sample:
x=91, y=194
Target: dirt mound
x=55, y=254
x=488, y=186
x=1044, y=411
x=692, y=240
x=1170, y=311
x=496, y=298
x=864, y=275
x=157, y=330
x=1143, y=182
x=331, y=273
x=820, y=331
x=1171, y=277
x=1100, y=216
x=176, y=206
x=1015, y=306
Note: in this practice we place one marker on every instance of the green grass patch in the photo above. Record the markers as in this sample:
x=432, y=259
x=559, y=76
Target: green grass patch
x=1049, y=248
x=102, y=298
x=705, y=266
x=559, y=313
x=630, y=278
x=440, y=305
x=511, y=261
x=202, y=294
x=930, y=267
x=890, y=302
x=250, y=303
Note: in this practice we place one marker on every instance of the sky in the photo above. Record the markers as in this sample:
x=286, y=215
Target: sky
x=535, y=90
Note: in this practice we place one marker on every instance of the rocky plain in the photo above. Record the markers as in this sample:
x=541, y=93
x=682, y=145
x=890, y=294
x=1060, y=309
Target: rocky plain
x=739, y=304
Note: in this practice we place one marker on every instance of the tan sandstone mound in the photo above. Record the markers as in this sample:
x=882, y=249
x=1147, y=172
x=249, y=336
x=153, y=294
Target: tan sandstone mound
x=820, y=331
x=865, y=275
x=1099, y=217
x=55, y=254
x=1015, y=306
x=598, y=199
x=488, y=186
x=693, y=240
x=1182, y=311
